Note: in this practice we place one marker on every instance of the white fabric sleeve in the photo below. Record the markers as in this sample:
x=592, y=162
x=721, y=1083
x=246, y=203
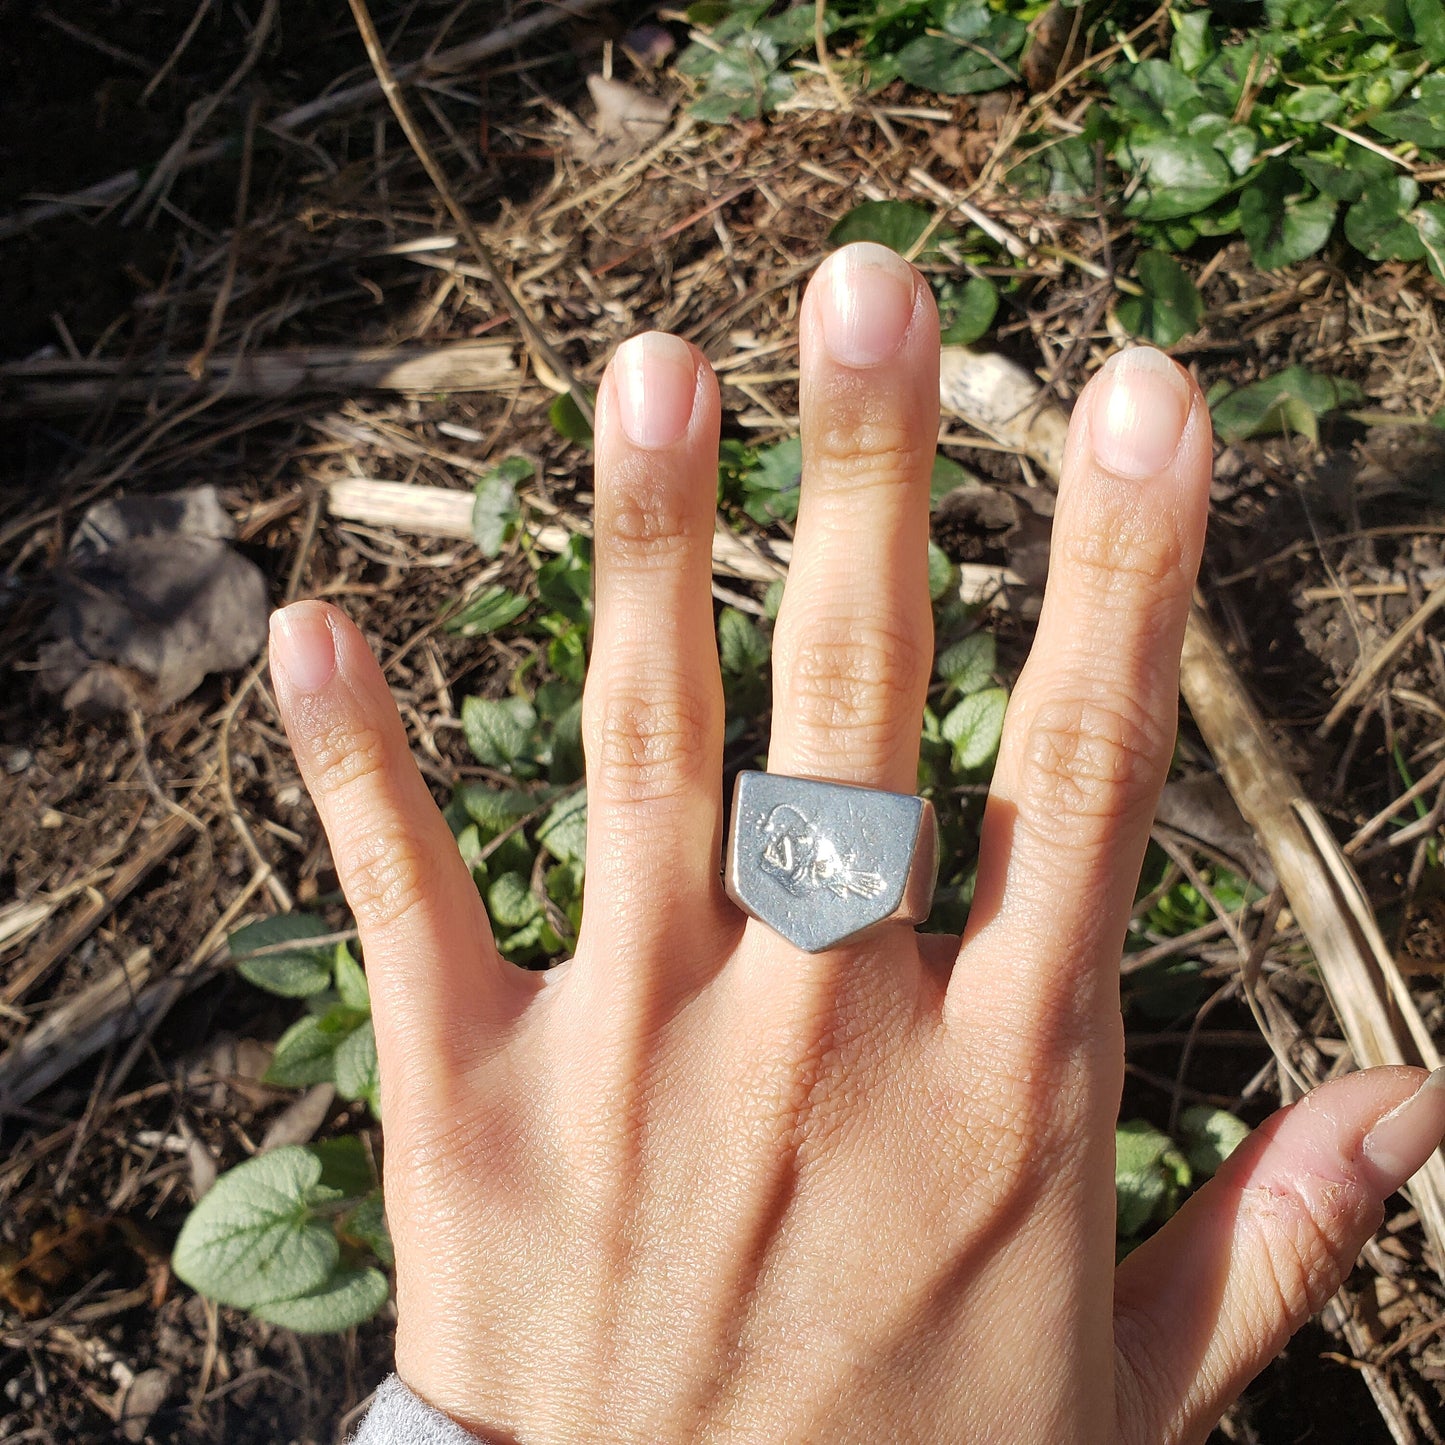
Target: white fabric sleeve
x=397, y=1417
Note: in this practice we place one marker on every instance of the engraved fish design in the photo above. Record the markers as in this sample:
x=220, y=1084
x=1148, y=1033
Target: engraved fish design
x=804, y=860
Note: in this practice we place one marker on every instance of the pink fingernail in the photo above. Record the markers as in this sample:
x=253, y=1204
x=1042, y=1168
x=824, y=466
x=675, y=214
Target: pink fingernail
x=656, y=380
x=1409, y=1134
x=865, y=304
x=303, y=646
x=1140, y=404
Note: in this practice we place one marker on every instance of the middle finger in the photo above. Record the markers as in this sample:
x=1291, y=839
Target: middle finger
x=854, y=642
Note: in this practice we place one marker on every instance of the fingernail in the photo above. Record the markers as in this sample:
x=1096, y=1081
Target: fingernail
x=656, y=380
x=1409, y=1134
x=302, y=645
x=866, y=303
x=1140, y=404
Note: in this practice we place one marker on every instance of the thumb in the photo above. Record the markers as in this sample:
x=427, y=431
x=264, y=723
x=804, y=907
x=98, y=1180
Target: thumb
x=1205, y=1304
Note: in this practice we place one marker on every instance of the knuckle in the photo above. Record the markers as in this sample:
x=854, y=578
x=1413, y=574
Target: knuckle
x=1299, y=1263
x=386, y=879
x=647, y=748
x=346, y=757
x=1091, y=761
x=1125, y=561
x=866, y=680
x=867, y=451
x=1304, y=1238
x=642, y=513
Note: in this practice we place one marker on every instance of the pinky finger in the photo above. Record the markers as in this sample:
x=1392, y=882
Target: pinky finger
x=436, y=979
x=1205, y=1304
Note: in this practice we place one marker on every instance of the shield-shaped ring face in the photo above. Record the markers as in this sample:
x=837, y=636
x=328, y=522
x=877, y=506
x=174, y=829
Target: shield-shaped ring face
x=820, y=863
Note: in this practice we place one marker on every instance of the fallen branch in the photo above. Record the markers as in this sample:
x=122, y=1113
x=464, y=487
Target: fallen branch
x=49, y=386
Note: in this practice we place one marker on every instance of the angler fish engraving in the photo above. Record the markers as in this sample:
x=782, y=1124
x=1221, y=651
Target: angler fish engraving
x=806, y=861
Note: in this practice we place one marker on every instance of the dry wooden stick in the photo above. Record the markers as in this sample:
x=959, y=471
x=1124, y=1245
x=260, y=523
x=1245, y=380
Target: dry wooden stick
x=50, y=386
x=158, y=845
x=548, y=361
x=71, y=1033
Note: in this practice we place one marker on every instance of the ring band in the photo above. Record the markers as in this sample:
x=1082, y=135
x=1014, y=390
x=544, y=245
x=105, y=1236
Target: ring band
x=820, y=863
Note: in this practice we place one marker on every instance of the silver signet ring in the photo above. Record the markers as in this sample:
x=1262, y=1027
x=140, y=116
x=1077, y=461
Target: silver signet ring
x=821, y=863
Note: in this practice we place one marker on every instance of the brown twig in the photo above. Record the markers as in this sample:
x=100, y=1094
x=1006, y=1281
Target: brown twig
x=171, y=164
x=545, y=357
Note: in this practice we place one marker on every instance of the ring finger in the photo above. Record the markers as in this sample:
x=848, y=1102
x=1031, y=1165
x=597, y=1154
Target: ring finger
x=854, y=641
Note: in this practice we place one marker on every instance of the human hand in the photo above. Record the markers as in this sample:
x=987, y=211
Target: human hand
x=696, y=1185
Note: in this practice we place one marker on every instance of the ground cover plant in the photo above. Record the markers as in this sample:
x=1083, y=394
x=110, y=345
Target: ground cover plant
x=190, y=1219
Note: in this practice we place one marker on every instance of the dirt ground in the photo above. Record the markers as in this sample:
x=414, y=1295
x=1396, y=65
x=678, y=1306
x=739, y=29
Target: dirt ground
x=132, y=843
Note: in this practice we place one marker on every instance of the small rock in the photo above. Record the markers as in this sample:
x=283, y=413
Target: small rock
x=147, y=1393
x=298, y=1122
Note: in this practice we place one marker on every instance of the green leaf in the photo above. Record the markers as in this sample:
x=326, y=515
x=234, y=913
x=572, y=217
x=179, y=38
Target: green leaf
x=566, y=764
x=1422, y=120
x=1210, y=1136
x=1194, y=40
x=252, y=1239
x=563, y=832
x=966, y=310
x=1150, y=1174
x=973, y=63
x=899, y=225
x=292, y=973
x=947, y=476
x=495, y=513
x=1292, y=400
x=367, y=1222
x=1430, y=219
x=1427, y=19
x=511, y=904
x=1179, y=176
x=942, y=574
x=773, y=599
x=568, y=420
x=491, y=609
x=349, y=1297
x=743, y=649
x=1170, y=307
x=1279, y=225
x=968, y=666
x=1378, y=223
x=346, y=1167
x=974, y=727
x=1312, y=104
x=565, y=582
x=1340, y=181
x=356, y=1068
x=771, y=484
x=1157, y=95
x=494, y=810
x=499, y=730
x=305, y=1055
x=350, y=980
